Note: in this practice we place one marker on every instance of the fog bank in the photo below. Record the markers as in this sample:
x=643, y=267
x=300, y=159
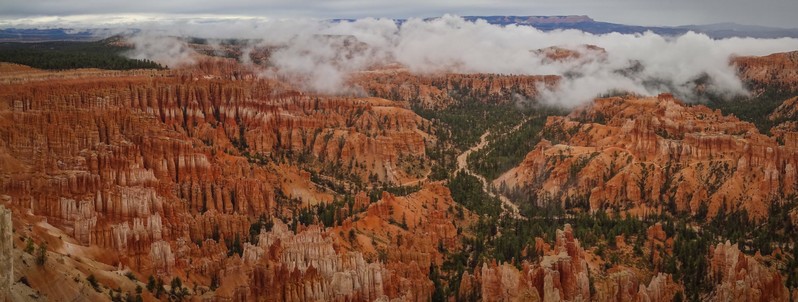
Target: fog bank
x=320, y=55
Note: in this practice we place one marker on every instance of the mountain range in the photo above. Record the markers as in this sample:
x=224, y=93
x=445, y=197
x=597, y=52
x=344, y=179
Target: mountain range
x=545, y=23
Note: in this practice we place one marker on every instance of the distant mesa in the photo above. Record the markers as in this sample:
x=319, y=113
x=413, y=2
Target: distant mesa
x=531, y=20
x=545, y=23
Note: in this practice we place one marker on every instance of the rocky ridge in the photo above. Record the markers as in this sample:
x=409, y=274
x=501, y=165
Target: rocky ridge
x=742, y=278
x=437, y=90
x=775, y=71
x=649, y=154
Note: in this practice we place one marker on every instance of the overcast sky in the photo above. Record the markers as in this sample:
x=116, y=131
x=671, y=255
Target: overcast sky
x=780, y=13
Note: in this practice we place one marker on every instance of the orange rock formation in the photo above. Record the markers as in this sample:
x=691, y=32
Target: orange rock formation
x=159, y=169
x=434, y=91
x=776, y=71
x=648, y=154
x=562, y=275
x=742, y=278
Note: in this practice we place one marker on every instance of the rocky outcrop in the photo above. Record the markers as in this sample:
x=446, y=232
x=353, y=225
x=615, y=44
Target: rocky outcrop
x=788, y=110
x=580, y=55
x=163, y=260
x=6, y=261
x=408, y=234
x=442, y=90
x=658, y=243
x=561, y=275
x=660, y=288
x=775, y=71
x=786, y=133
x=645, y=155
x=284, y=266
x=743, y=278
x=625, y=284
x=411, y=228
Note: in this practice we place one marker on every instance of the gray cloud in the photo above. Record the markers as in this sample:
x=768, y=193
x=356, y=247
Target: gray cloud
x=642, y=12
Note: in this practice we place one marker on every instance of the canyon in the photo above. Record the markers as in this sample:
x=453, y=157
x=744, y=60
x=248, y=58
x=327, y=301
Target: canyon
x=648, y=155
x=213, y=182
x=442, y=90
x=149, y=167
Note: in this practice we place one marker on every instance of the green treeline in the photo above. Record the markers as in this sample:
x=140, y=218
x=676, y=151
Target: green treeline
x=62, y=55
x=467, y=120
x=755, y=109
x=506, y=150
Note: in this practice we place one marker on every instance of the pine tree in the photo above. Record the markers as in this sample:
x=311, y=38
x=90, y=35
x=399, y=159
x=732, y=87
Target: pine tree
x=41, y=254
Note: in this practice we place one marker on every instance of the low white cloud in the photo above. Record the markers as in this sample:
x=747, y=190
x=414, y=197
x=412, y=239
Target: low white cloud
x=320, y=55
x=166, y=50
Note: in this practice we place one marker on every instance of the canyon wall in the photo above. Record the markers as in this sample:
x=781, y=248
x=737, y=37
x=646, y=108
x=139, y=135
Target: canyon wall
x=442, y=90
x=775, y=71
x=645, y=155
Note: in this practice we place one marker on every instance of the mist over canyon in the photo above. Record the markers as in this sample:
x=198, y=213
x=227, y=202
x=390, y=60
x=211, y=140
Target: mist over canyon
x=322, y=55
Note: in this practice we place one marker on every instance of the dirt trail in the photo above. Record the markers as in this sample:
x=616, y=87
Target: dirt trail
x=508, y=206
